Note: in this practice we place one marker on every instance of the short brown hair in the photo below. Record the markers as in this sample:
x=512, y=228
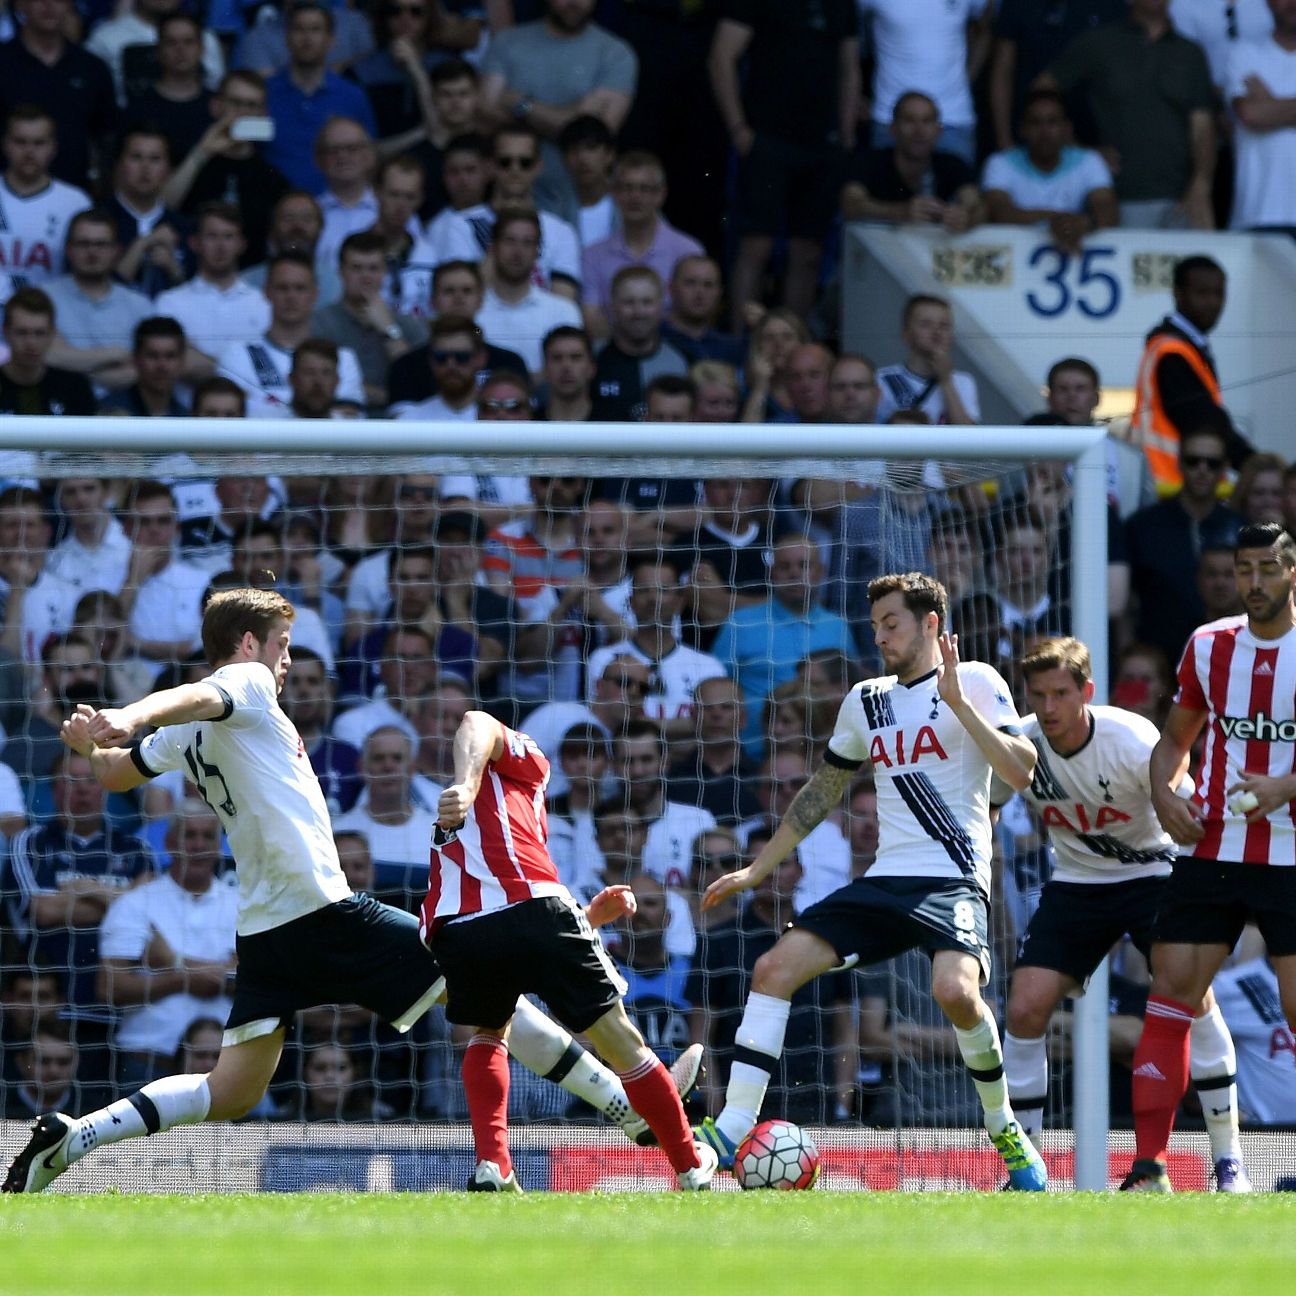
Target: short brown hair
x=445, y=326
x=233, y=613
x=919, y=300
x=320, y=348
x=507, y=216
x=921, y=593
x=366, y=242
x=628, y=274
x=218, y=385
x=1061, y=653
x=31, y=301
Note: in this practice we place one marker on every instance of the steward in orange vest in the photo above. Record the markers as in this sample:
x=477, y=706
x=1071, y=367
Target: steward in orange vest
x=1177, y=390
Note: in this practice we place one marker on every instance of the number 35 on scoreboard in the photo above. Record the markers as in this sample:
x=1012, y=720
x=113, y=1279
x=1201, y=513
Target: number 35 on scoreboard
x=1054, y=282
x=1061, y=282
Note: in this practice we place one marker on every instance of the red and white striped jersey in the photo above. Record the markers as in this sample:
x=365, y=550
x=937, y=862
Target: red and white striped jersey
x=1248, y=688
x=498, y=856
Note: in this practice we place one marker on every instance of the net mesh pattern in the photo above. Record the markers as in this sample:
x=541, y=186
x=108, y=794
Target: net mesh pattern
x=426, y=585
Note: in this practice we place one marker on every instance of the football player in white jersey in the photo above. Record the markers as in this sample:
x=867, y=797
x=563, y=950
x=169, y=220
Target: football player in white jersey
x=934, y=730
x=1091, y=790
x=295, y=908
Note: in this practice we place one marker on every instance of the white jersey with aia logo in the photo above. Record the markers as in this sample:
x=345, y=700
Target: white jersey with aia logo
x=933, y=781
x=1247, y=686
x=252, y=769
x=498, y=856
x=33, y=230
x=1096, y=803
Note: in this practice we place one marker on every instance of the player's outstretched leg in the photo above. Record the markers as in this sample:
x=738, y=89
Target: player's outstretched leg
x=758, y=1043
x=956, y=987
x=231, y=1090
x=1212, y=1063
x=798, y=957
x=544, y=1047
x=652, y=1093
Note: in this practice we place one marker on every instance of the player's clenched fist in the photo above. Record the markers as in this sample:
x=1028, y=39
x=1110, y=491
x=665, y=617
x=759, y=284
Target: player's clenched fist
x=75, y=730
x=453, y=807
x=1180, y=817
x=111, y=728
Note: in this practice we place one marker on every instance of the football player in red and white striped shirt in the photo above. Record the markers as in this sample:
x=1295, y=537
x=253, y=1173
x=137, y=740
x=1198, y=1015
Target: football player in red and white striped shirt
x=503, y=925
x=1237, y=679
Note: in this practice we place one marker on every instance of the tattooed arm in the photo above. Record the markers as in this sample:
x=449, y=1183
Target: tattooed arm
x=809, y=809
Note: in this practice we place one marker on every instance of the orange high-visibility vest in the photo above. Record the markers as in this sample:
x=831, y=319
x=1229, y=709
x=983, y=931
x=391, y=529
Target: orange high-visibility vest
x=1151, y=428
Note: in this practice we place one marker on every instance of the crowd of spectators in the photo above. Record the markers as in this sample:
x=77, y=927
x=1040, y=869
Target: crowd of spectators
x=563, y=210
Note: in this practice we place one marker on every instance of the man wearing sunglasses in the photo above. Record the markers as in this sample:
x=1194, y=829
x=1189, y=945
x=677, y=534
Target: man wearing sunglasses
x=455, y=353
x=516, y=164
x=1166, y=539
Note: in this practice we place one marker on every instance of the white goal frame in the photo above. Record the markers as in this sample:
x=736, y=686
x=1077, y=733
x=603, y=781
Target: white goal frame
x=659, y=449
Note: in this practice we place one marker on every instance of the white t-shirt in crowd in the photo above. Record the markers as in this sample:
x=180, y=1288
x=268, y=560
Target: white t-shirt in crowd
x=597, y=222
x=1065, y=189
x=214, y=318
x=435, y=409
x=399, y=851
x=1265, y=173
x=195, y=926
x=12, y=799
x=356, y=725
x=524, y=327
x=168, y=606
x=547, y=725
x=85, y=569
x=369, y=587
x=1218, y=25
x=922, y=45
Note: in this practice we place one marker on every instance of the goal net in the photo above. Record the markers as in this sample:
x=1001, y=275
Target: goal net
x=674, y=613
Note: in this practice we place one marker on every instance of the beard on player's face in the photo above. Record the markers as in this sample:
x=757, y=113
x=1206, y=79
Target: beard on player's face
x=1262, y=607
x=909, y=658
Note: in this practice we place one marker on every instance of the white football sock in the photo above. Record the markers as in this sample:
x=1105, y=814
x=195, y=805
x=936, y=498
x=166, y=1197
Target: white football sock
x=1213, y=1067
x=160, y=1105
x=757, y=1046
x=1026, y=1071
x=542, y=1046
x=984, y=1060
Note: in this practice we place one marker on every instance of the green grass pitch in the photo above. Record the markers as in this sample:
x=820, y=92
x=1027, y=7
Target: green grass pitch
x=665, y=1244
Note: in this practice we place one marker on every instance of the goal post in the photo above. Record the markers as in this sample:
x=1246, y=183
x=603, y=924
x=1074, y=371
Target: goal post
x=126, y=447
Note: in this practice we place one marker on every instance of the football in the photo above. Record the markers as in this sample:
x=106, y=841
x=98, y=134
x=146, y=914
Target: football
x=777, y=1154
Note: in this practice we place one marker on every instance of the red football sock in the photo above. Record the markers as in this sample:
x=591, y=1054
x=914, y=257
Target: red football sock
x=486, y=1086
x=1160, y=1074
x=653, y=1095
